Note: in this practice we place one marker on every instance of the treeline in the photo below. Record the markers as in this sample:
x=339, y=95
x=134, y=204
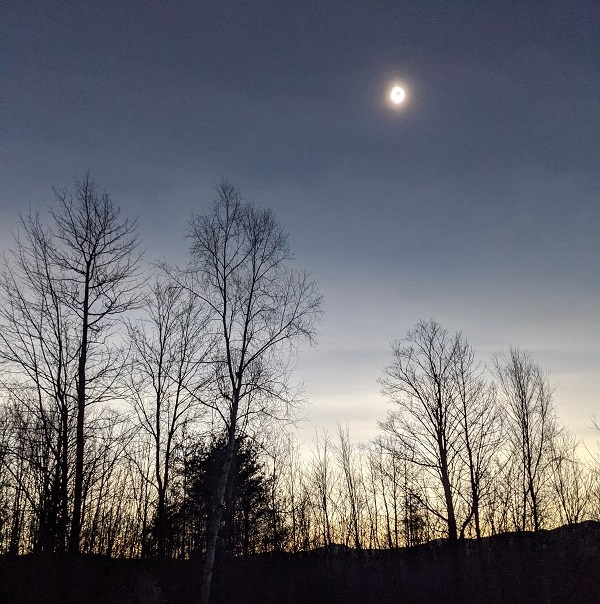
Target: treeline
x=143, y=411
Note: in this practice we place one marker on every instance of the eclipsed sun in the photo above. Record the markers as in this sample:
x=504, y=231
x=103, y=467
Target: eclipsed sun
x=397, y=95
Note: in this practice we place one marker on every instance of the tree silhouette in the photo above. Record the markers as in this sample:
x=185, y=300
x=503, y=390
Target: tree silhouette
x=245, y=522
x=68, y=284
x=260, y=308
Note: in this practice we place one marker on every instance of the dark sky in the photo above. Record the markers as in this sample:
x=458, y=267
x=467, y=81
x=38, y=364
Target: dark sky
x=477, y=203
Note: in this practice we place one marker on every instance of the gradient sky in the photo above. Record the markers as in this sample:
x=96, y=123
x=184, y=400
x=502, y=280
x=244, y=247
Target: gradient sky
x=477, y=204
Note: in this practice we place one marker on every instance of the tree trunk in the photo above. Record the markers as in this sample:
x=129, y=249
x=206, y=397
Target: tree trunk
x=212, y=532
x=452, y=529
x=75, y=535
x=64, y=479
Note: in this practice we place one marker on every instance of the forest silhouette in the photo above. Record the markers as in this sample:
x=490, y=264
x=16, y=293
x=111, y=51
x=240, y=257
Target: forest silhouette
x=147, y=449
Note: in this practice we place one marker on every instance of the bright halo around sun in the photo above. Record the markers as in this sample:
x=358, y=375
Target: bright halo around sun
x=397, y=95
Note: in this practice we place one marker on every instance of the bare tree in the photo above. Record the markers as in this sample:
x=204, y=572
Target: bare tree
x=169, y=350
x=260, y=308
x=388, y=467
x=322, y=478
x=527, y=398
x=63, y=292
x=345, y=457
x=94, y=252
x=572, y=482
x=38, y=355
x=107, y=439
x=420, y=383
x=480, y=426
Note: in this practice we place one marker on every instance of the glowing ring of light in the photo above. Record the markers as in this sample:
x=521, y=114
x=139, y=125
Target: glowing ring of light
x=397, y=95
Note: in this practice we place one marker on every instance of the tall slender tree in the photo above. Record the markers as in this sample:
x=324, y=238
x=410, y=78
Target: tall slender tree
x=527, y=397
x=94, y=252
x=170, y=347
x=38, y=356
x=260, y=308
x=420, y=384
x=480, y=423
x=69, y=282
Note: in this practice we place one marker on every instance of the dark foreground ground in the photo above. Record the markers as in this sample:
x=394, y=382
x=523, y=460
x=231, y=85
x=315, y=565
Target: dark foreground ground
x=551, y=567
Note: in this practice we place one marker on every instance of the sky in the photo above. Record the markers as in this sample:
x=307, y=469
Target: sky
x=476, y=203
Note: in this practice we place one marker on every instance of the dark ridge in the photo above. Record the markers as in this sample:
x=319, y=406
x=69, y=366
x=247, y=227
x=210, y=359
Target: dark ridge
x=555, y=566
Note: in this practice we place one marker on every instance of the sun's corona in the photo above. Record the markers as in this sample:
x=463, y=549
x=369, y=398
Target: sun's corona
x=397, y=95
